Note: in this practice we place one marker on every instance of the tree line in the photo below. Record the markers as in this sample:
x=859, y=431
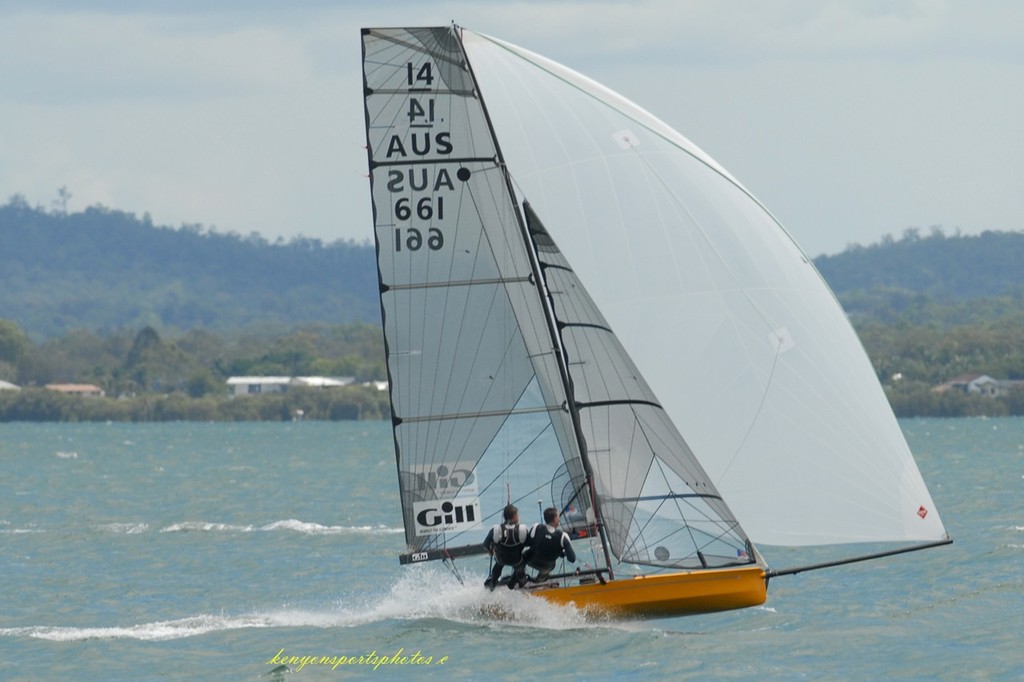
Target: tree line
x=146, y=377
x=107, y=270
x=161, y=317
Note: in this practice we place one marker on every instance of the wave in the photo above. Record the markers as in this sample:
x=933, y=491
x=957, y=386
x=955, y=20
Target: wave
x=168, y=629
x=126, y=528
x=20, y=531
x=288, y=525
x=293, y=525
x=5, y=528
x=427, y=594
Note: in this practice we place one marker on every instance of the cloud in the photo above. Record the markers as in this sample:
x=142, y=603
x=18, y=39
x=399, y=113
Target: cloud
x=849, y=119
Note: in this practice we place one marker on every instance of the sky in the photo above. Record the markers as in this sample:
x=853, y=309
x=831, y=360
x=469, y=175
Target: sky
x=850, y=120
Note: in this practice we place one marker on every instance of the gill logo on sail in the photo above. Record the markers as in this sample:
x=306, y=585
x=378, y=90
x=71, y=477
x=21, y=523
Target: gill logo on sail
x=443, y=516
x=444, y=480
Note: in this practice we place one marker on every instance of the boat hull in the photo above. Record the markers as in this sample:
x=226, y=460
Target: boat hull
x=666, y=595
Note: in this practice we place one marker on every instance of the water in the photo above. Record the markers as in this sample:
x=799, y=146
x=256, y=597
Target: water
x=200, y=551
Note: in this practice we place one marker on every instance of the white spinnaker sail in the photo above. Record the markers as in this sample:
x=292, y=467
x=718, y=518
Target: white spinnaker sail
x=734, y=328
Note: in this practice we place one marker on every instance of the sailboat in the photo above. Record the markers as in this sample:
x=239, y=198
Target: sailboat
x=583, y=310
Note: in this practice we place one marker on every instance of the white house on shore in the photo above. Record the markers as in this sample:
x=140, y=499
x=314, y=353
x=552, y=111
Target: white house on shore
x=87, y=390
x=980, y=384
x=241, y=386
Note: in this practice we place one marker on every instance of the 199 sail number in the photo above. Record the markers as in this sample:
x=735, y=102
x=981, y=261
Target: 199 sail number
x=427, y=208
x=424, y=208
x=414, y=239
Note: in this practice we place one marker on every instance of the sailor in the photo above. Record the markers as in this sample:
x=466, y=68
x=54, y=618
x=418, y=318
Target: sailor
x=505, y=543
x=545, y=545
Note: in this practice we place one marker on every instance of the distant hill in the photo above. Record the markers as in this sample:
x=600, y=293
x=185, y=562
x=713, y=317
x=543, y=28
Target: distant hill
x=941, y=267
x=103, y=270
x=936, y=280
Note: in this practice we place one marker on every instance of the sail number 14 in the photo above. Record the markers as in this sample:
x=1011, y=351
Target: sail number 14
x=420, y=79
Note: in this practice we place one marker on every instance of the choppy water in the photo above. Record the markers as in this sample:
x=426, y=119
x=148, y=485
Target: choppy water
x=200, y=551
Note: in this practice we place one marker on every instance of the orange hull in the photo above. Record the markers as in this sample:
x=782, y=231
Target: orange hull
x=667, y=595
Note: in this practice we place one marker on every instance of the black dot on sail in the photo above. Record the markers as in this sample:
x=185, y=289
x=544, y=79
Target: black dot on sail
x=463, y=174
x=661, y=553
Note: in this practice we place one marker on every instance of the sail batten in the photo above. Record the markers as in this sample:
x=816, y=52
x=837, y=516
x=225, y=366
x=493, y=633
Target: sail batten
x=623, y=401
x=460, y=283
x=480, y=414
x=421, y=162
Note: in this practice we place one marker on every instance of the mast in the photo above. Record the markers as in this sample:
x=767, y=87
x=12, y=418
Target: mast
x=540, y=284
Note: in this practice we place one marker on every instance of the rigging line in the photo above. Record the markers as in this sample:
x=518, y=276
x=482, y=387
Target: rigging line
x=522, y=219
x=757, y=414
x=726, y=529
x=438, y=54
x=519, y=500
x=521, y=453
x=639, y=536
x=637, y=427
x=700, y=230
x=449, y=561
x=709, y=538
x=446, y=300
x=743, y=290
x=474, y=210
x=661, y=470
x=661, y=463
x=575, y=495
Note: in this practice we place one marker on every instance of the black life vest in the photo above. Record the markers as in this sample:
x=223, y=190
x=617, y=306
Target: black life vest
x=508, y=548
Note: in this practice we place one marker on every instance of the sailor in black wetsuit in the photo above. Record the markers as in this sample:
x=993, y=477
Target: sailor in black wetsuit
x=545, y=545
x=505, y=543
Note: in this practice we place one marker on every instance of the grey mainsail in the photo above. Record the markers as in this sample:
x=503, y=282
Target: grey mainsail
x=507, y=383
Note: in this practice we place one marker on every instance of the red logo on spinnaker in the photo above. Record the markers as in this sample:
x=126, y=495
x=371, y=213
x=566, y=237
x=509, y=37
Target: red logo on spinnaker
x=922, y=512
